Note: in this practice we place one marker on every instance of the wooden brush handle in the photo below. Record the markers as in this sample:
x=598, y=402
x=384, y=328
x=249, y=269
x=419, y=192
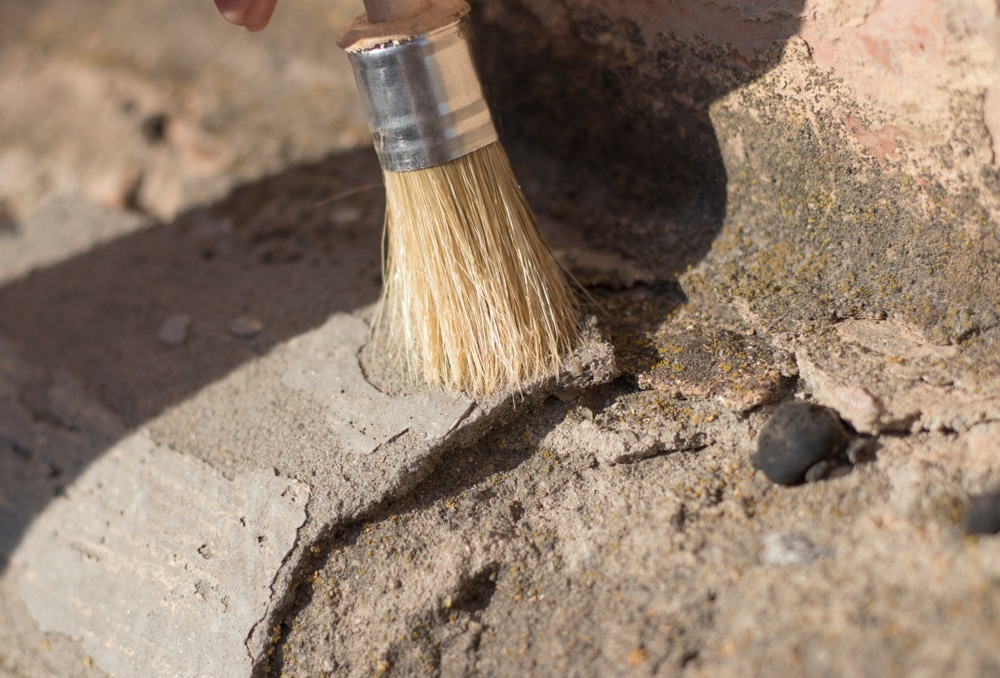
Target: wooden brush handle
x=386, y=21
x=385, y=11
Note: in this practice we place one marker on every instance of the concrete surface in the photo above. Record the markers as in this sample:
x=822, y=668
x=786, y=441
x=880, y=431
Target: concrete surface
x=157, y=562
x=206, y=470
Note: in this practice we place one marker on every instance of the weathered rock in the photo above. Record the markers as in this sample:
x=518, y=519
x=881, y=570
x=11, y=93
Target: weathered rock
x=818, y=173
x=815, y=176
x=129, y=544
x=737, y=370
x=882, y=376
x=636, y=428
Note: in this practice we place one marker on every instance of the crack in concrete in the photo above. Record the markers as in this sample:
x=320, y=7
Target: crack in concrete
x=466, y=431
x=277, y=573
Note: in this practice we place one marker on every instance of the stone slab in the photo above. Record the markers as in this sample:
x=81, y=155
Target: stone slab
x=155, y=559
x=159, y=563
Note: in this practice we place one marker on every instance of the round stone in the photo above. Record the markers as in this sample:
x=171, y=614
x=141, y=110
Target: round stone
x=982, y=514
x=797, y=437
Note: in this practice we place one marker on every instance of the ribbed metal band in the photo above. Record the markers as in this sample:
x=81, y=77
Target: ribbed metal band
x=425, y=99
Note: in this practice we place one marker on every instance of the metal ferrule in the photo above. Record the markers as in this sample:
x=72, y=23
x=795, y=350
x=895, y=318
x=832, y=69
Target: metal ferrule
x=425, y=98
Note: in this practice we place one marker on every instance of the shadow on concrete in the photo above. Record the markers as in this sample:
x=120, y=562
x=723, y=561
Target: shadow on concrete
x=278, y=251
x=632, y=102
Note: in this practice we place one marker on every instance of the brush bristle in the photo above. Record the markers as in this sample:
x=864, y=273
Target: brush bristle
x=472, y=298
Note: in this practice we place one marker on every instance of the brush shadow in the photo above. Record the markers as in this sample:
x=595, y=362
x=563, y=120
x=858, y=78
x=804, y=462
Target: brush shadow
x=276, y=252
x=626, y=108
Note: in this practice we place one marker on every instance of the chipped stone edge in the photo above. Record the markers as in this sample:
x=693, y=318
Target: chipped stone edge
x=591, y=364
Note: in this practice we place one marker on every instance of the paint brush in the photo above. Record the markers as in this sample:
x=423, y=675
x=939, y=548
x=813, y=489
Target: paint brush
x=472, y=298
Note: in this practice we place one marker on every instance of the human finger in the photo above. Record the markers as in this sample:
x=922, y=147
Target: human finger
x=260, y=14
x=254, y=15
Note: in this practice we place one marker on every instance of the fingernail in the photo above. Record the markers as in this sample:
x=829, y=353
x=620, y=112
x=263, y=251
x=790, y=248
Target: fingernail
x=258, y=16
x=233, y=12
x=234, y=17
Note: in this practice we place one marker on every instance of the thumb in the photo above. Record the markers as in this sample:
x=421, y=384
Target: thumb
x=252, y=14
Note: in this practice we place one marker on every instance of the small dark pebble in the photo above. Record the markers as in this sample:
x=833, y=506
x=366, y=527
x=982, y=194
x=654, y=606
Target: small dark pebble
x=861, y=450
x=154, y=127
x=797, y=437
x=982, y=514
x=818, y=471
x=8, y=224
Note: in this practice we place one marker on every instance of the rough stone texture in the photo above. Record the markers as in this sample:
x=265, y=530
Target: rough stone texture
x=41, y=238
x=521, y=558
x=838, y=153
x=165, y=106
x=739, y=371
x=101, y=532
x=763, y=201
x=882, y=388
x=27, y=651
